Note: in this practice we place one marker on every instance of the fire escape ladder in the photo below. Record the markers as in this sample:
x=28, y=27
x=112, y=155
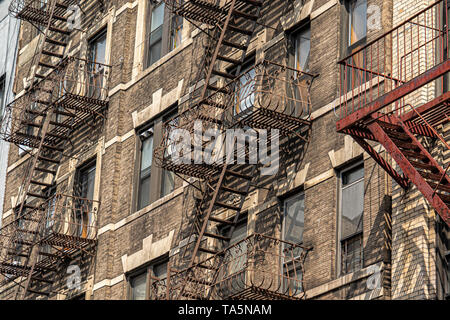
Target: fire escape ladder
x=415, y=162
x=63, y=94
x=219, y=68
x=212, y=219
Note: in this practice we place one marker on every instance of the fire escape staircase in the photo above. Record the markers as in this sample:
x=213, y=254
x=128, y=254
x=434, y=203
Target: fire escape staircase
x=232, y=181
x=394, y=114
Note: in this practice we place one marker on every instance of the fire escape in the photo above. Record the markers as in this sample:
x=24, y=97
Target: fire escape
x=227, y=95
x=395, y=92
x=63, y=94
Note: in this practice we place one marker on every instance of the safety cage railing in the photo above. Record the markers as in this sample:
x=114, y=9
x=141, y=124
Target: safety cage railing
x=416, y=46
x=77, y=89
x=267, y=96
x=257, y=267
x=62, y=220
x=37, y=11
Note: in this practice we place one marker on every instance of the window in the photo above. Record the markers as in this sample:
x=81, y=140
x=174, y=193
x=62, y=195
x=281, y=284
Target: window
x=245, y=98
x=236, y=266
x=168, y=177
x=138, y=286
x=146, y=160
x=96, y=68
x=2, y=93
x=299, y=60
x=357, y=22
x=155, y=37
x=351, y=218
x=161, y=37
x=176, y=30
x=84, y=190
x=292, y=230
x=141, y=281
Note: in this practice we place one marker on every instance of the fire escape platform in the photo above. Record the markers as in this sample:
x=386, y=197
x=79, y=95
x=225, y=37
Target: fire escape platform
x=363, y=116
x=256, y=293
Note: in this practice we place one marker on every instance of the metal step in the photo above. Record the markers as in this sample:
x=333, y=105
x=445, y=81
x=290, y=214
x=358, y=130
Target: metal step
x=239, y=175
x=216, y=236
x=227, y=206
x=46, y=170
x=218, y=220
x=232, y=190
x=425, y=166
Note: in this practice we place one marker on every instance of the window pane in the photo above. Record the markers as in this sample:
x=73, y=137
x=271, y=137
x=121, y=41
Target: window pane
x=352, y=202
x=154, y=52
x=160, y=270
x=176, y=32
x=246, y=97
x=351, y=250
x=87, y=182
x=168, y=183
x=147, y=153
x=302, y=50
x=157, y=17
x=144, y=193
x=294, y=219
x=97, y=48
x=358, y=20
x=138, y=287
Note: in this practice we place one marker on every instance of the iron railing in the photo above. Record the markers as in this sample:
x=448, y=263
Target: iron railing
x=413, y=48
x=76, y=85
x=257, y=267
x=37, y=11
x=268, y=96
x=64, y=220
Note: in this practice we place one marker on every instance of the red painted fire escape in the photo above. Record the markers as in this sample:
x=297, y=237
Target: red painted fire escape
x=395, y=91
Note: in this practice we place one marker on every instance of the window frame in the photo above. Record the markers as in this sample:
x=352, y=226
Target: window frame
x=140, y=144
x=340, y=239
x=285, y=264
x=293, y=35
x=349, y=47
x=148, y=270
x=170, y=115
x=166, y=32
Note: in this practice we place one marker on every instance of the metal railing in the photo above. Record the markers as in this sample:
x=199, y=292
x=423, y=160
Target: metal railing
x=258, y=266
x=413, y=48
x=38, y=10
x=267, y=96
x=73, y=219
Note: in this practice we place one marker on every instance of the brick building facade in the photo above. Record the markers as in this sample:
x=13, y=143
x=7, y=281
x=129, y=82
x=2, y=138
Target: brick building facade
x=362, y=235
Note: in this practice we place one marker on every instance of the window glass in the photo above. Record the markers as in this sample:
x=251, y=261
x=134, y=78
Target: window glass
x=351, y=218
x=352, y=202
x=176, y=30
x=294, y=219
x=302, y=49
x=168, y=177
x=146, y=167
x=156, y=34
x=138, y=287
x=246, y=94
x=160, y=270
x=357, y=21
